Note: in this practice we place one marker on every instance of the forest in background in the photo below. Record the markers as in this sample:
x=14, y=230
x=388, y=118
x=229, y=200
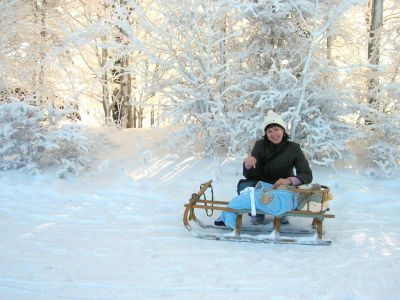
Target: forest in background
x=215, y=68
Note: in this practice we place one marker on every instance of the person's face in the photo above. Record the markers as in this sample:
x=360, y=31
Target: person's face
x=275, y=134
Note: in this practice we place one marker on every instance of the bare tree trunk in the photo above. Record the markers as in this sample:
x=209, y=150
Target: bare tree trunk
x=105, y=90
x=141, y=117
x=375, y=27
x=38, y=80
x=222, y=78
x=329, y=43
x=125, y=94
x=152, y=116
x=135, y=117
x=122, y=107
x=105, y=95
x=138, y=116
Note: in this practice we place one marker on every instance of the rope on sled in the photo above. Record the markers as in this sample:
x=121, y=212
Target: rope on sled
x=209, y=211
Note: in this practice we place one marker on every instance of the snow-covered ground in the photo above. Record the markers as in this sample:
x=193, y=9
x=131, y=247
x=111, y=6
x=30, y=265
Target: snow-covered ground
x=116, y=232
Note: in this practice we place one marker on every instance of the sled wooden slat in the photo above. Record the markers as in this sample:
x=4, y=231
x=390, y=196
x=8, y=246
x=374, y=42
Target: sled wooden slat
x=212, y=208
x=212, y=202
x=295, y=213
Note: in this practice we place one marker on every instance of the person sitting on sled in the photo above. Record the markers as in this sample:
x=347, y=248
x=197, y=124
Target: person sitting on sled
x=272, y=161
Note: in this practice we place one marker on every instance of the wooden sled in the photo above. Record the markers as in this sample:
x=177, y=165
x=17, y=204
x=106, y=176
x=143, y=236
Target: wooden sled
x=317, y=211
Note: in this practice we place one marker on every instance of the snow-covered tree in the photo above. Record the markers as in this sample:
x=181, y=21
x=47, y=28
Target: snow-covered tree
x=31, y=142
x=27, y=53
x=214, y=67
x=227, y=63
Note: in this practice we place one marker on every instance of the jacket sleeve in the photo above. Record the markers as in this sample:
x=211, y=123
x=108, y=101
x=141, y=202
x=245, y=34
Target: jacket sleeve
x=254, y=173
x=303, y=170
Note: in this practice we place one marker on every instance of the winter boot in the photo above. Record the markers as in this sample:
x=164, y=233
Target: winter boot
x=257, y=219
x=284, y=220
x=219, y=222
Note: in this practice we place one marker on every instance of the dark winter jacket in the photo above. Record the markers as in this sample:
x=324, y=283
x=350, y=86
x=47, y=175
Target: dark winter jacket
x=276, y=161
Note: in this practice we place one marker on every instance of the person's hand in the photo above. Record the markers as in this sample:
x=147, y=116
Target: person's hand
x=282, y=181
x=250, y=162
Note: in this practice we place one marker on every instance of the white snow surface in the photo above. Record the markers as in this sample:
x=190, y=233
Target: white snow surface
x=116, y=232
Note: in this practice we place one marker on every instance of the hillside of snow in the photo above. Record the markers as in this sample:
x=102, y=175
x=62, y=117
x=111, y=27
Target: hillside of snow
x=116, y=232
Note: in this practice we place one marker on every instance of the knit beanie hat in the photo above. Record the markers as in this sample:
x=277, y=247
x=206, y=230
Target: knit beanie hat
x=273, y=118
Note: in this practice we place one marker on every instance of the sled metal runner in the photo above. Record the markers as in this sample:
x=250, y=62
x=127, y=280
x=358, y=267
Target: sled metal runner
x=259, y=233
